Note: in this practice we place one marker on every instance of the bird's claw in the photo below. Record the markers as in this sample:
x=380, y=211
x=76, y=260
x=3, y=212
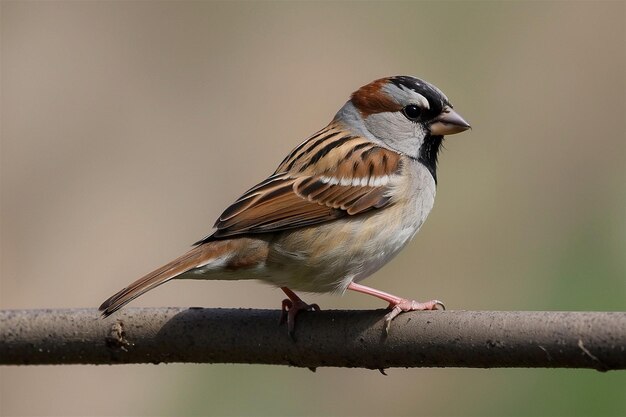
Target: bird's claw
x=289, y=310
x=409, y=305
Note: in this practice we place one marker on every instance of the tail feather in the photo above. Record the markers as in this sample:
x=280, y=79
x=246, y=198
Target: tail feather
x=186, y=262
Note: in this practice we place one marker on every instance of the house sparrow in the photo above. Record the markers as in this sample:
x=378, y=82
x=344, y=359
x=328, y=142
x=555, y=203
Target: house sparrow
x=340, y=206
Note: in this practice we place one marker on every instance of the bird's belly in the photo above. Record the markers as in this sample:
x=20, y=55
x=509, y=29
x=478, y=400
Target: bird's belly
x=326, y=258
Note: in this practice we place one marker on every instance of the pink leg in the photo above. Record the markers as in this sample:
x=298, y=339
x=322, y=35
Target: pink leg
x=396, y=304
x=292, y=306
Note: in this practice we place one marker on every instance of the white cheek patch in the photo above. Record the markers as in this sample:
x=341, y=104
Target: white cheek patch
x=396, y=132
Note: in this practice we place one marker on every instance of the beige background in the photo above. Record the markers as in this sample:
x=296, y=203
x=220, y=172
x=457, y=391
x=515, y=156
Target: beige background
x=127, y=127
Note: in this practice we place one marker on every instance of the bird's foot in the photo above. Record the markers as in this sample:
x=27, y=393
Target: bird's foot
x=291, y=307
x=397, y=304
x=403, y=305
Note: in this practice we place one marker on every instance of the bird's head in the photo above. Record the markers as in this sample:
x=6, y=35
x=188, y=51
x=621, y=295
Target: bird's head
x=405, y=113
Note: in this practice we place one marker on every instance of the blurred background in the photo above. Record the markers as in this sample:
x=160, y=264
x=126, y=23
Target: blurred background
x=128, y=126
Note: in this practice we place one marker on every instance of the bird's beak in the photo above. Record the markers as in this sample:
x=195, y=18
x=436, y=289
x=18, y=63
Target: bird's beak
x=448, y=122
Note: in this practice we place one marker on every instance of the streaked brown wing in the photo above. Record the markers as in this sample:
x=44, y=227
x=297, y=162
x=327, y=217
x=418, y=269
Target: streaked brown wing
x=272, y=209
x=324, y=183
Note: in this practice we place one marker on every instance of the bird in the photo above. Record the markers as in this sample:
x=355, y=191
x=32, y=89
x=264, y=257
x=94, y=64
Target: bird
x=339, y=206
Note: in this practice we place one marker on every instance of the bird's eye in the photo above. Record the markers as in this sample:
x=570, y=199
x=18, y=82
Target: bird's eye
x=412, y=112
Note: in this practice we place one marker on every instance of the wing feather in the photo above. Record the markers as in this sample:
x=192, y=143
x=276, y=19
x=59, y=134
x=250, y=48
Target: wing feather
x=351, y=178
